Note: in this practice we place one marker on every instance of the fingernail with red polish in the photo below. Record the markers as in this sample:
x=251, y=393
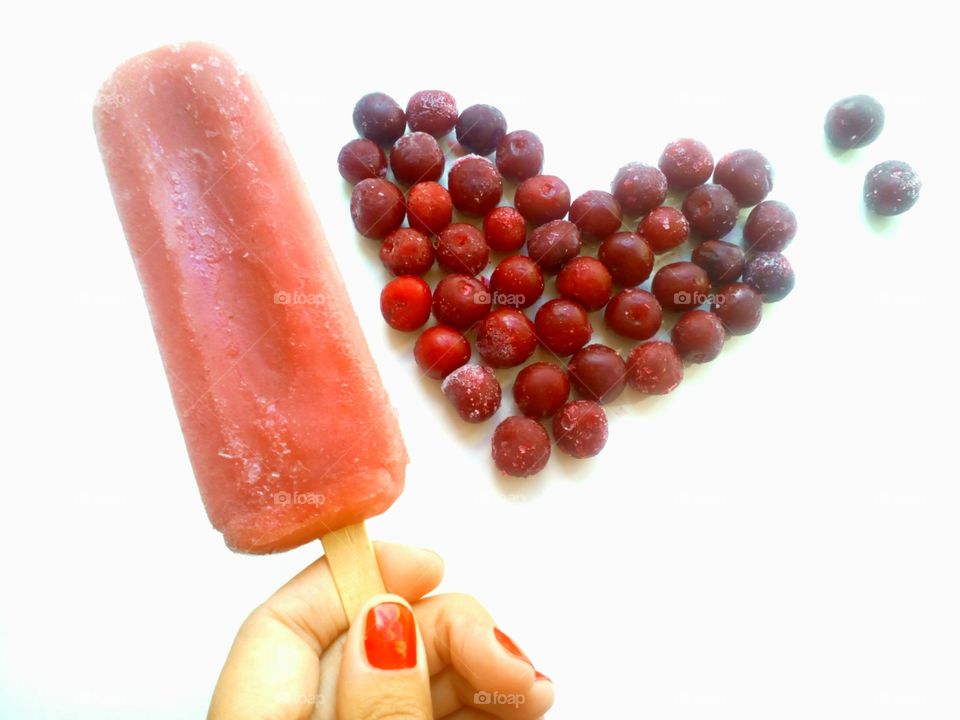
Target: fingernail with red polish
x=390, y=637
x=515, y=650
x=510, y=645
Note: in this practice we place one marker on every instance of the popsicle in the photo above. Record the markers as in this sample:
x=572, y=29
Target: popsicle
x=288, y=427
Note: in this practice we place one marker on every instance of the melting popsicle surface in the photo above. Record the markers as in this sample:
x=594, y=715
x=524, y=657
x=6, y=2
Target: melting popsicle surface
x=289, y=430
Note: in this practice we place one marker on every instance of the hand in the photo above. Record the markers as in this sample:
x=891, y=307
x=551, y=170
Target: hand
x=295, y=659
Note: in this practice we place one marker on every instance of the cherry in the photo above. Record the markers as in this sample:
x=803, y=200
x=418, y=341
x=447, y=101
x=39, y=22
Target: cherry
x=542, y=198
x=639, y=188
x=597, y=372
x=627, y=257
x=664, y=228
x=405, y=303
x=360, y=159
x=745, y=173
x=739, y=308
x=440, y=350
x=686, y=163
x=520, y=446
x=562, y=326
x=377, y=208
x=586, y=280
x=429, y=207
x=698, y=336
x=475, y=185
x=891, y=188
x=462, y=249
x=770, y=274
x=553, y=244
x=506, y=338
x=634, y=313
x=416, y=158
x=460, y=301
x=505, y=229
x=711, y=210
x=597, y=214
x=854, y=122
x=406, y=252
x=516, y=282
x=770, y=227
x=432, y=111
x=480, y=127
x=580, y=428
x=722, y=261
x=519, y=155
x=473, y=391
x=654, y=368
x=377, y=116
x=681, y=286
x=541, y=389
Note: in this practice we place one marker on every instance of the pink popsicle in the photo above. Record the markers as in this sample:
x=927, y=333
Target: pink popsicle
x=289, y=430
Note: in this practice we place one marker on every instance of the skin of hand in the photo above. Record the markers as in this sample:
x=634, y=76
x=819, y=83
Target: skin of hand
x=405, y=655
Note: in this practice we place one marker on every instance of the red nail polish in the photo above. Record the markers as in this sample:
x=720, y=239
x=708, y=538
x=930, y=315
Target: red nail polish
x=390, y=637
x=511, y=646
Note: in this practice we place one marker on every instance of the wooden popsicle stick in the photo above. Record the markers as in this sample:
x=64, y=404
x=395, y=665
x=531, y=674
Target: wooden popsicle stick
x=354, y=567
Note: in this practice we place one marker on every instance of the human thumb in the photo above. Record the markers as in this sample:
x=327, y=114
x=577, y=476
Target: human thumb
x=384, y=672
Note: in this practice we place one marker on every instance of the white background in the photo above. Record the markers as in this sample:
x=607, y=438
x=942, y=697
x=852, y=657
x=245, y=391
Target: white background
x=778, y=538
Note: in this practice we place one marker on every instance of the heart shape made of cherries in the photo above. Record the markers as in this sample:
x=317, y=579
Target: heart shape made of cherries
x=719, y=291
